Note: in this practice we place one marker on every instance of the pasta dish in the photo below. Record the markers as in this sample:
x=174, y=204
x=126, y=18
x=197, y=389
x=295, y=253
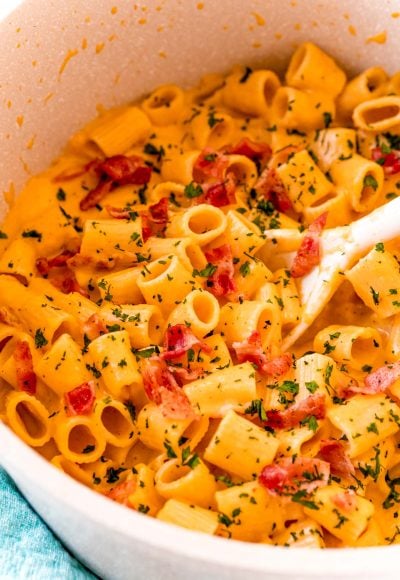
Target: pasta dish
x=200, y=306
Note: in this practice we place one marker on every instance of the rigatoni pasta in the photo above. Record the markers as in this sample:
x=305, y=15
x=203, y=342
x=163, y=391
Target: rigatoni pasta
x=147, y=296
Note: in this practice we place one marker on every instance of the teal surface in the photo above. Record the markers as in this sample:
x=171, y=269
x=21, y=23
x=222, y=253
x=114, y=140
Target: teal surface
x=28, y=549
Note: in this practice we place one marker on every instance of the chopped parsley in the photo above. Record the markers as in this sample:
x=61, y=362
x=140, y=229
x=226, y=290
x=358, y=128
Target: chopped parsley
x=40, y=339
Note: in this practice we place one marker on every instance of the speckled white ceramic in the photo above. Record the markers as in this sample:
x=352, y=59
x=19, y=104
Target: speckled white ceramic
x=59, y=61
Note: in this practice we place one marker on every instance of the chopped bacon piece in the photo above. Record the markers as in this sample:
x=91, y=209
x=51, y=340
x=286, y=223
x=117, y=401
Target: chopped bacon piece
x=254, y=151
x=389, y=161
x=271, y=187
x=346, y=500
x=113, y=172
x=121, y=492
x=251, y=350
x=279, y=365
x=94, y=327
x=314, y=405
x=80, y=400
x=161, y=387
x=378, y=381
x=26, y=378
x=178, y=340
x=159, y=211
x=187, y=374
x=123, y=170
x=155, y=223
x=67, y=283
x=333, y=451
x=309, y=253
x=216, y=195
x=292, y=474
x=210, y=166
x=221, y=282
x=44, y=265
x=94, y=196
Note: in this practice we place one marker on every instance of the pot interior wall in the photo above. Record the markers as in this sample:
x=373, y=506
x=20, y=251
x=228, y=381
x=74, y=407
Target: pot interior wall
x=61, y=64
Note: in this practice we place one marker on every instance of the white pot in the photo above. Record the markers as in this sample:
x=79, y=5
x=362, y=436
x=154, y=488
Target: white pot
x=58, y=61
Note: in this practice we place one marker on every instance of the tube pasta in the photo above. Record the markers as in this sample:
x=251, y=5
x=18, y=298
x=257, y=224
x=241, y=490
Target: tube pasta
x=212, y=129
x=192, y=483
x=382, y=114
x=354, y=345
x=187, y=250
x=166, y=282
x=258, y=511
x=165, y=105
x=34, y=312
x=252, y=95
x=121, y=287
x=144, y=323
x=240, y=447
x=310, y=68
x=63, y=367
x=362, y=179
x=19, y=259
x=116, y=421
x=159, y=432
x=113, y=360
x=292, y=108
x=354, y=418
x=28, y=417
x=368, y=85
x=189, y=516
x=103, y=239
x=201, y=223
x=118, y=131
x=200, y=310
x=382, y=269
x=80, y=439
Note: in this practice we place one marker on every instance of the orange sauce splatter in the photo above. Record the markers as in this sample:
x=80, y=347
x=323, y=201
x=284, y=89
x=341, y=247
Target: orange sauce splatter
x=70, y=54
x=84, y=43
x=200, y=6
x=378, y=38
x=352, y=30
x=20, y=120
x=259, y=19
x=114, y=10
x=99, y=47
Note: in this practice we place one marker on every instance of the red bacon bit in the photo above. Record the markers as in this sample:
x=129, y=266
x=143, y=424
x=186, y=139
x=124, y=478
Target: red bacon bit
x=44, y=265
x=187, y=374
x=333, y=451
x=255, y=151
x=290, y=475
x=346, y=500
x=80, y=400
x=314, y=405
x=94, y=327
x=377, y=382
x=178, y=340
x=309, y=253
x=219, y=194
x=389, y=161
x=155, y=223
x=26, y=378
x=121, y=492
x=67, y=283
x=251, y=350
x=210, y=166
x=221, y=282
x=278, y=366
x=113, y=172
x=161, y=387
x=271, y=187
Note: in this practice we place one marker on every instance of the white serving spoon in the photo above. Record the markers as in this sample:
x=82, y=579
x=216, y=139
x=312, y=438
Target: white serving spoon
x=341, y=248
